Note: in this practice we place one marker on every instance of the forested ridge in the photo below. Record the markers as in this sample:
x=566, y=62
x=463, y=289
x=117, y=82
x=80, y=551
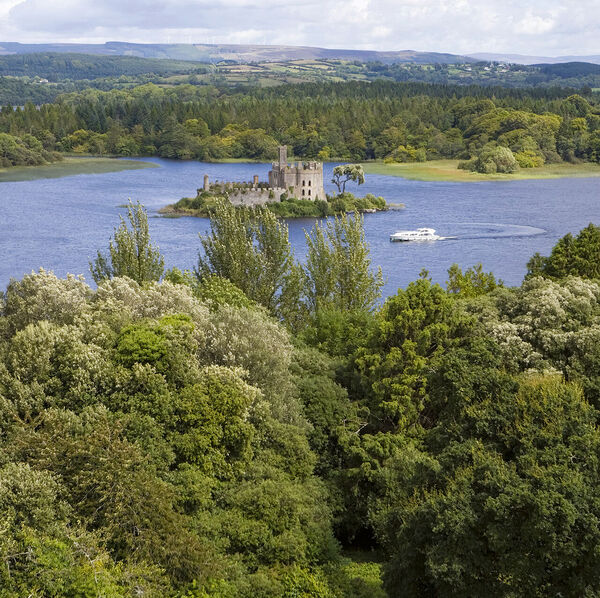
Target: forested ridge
x=266, y=428
x=399, y=122
x=71, y=66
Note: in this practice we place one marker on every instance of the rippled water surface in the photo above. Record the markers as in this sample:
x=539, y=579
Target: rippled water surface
x=59, y=224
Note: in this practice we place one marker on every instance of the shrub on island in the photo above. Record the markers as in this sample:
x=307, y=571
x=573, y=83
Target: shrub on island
x=203, y=205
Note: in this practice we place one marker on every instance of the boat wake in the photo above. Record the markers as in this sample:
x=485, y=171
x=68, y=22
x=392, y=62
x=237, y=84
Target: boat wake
x=489, y=230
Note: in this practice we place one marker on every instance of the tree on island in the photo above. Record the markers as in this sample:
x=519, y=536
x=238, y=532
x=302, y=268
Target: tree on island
x=347, y=172
x=131, y=252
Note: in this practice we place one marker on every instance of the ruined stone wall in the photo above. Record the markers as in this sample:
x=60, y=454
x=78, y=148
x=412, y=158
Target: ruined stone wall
x=256, y=197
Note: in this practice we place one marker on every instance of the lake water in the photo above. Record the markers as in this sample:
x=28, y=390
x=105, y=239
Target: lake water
x=58, y=224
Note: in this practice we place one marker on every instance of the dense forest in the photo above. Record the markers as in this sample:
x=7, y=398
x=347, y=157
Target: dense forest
x=57, y=67
x=264, y=428
x=347, y=121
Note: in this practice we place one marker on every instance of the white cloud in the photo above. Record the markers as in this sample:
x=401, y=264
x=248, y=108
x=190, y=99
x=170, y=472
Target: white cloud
x=532, y=24
x=462, y=26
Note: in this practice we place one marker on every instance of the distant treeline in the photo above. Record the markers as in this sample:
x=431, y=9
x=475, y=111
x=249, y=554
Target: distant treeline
x=57, y=67
x=575, y=75
x=569, y=69
x=348, y=121
x=70, y=67
x=16, y=92
x=41, y=77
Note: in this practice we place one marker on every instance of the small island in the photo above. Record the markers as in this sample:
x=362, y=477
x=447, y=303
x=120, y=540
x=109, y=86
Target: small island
x=292, y=191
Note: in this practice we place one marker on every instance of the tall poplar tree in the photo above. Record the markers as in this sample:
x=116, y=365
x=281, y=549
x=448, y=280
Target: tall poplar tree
x=338, y=267
x=130, y=252
x=251, y=248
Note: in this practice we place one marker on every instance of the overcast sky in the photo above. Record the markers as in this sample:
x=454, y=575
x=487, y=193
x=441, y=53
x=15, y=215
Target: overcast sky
x=548, y=28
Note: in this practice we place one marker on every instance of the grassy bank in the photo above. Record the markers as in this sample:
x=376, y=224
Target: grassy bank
x=70, y=167
x=446, y=170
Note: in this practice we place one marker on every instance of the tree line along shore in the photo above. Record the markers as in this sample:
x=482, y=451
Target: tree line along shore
x=489, y=130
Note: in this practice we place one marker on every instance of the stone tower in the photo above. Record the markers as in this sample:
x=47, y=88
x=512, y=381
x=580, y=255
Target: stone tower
x=282, y=155
x=303, y=180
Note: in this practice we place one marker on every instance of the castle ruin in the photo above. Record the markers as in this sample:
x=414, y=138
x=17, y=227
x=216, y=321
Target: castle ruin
x=303, y=180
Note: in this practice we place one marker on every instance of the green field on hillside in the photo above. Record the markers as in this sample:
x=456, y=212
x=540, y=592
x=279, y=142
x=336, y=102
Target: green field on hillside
x=447, y=170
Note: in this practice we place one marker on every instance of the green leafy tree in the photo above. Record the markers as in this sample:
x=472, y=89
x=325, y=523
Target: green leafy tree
x=42, y=296
x=131, y=252
x=197, y=127
x=548, y=325
x=414, y=328
x=492, y=159
x=505, y=507
x=345, y=173
x=253, y=341
x=473, y=282
x=338, y=332
x=210, y=428
x=216, y=291
x=42, y=553
x=251, y=248
x=112, y=486
x=572, y=256
x=165, y=441
x=165, y=345
x=326, y=406
x=338, y=267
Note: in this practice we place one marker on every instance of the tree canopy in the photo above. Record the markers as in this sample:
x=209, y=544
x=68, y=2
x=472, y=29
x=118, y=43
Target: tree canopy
x=226, y=433
x=488, y=128
x=572, y=256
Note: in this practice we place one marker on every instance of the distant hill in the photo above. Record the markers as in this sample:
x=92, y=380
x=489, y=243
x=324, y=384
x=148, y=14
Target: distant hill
x=523, y=59
x=234, y=52
x=250, y=53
